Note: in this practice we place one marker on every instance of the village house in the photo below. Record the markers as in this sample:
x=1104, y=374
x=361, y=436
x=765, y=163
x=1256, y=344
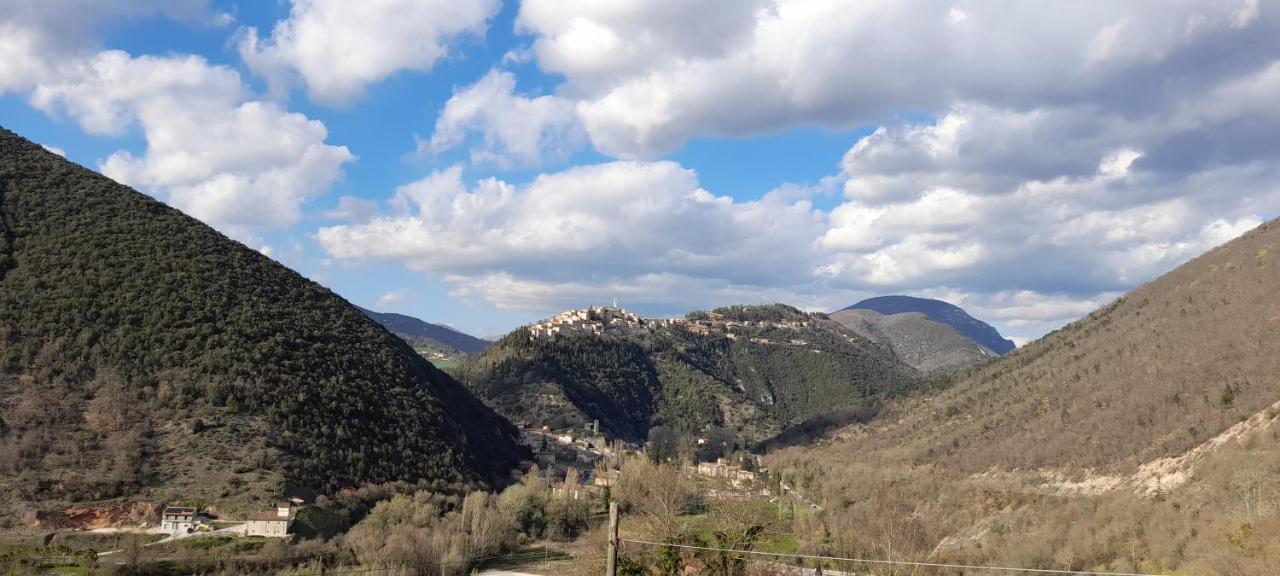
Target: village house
x=271, y=523
x=562, y=490
x=178, y=520
x=717, y=469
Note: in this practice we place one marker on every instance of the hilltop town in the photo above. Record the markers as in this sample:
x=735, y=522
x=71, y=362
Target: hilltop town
x=598, y=320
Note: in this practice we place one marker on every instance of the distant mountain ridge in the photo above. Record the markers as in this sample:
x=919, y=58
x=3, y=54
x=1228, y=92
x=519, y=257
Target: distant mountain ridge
x=949, y=314
x=420, y=332
x=927, y=345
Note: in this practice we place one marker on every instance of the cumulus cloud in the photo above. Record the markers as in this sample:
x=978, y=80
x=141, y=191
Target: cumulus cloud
x=36, y=36
x=515, y=129
x=337, y=48
x=212, y=148
x=1033, y=218
x=1029, y=219
x=212, y=151
x=606, y=226
x=646, y=81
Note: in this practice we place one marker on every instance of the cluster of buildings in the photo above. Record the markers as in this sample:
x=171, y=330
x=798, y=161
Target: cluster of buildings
x=179, y=521
x=596, y=320
x=715, y=322
x=738, y=476
x=584, y=447
x=599, y=320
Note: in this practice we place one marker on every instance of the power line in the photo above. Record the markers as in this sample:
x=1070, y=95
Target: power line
x=891, y=562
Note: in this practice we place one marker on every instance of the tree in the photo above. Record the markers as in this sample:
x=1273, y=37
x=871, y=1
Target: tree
x=657, y=493
x=663, y=444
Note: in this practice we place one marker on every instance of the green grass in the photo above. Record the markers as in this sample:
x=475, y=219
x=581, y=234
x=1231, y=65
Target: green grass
x=781, y=543
x=232, y=544
x=445, y=363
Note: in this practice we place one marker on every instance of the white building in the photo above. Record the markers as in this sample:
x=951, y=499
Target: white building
x=273, y=524
x=178, y=520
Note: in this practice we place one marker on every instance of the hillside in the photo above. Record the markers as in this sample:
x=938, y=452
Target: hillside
x=1141, y=437
x=951, y=315
x=144, y=355
x=424, y=335
x=752, y=370
x=931, y=347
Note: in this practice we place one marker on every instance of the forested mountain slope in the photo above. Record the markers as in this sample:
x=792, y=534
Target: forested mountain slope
x=145, y=355
x=951, y=315
x=1142, y=436
x=753, y=370
x=419, y=333
x=929, y=346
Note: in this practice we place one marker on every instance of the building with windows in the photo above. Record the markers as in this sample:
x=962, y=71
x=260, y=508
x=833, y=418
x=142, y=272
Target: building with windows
x=178, y=520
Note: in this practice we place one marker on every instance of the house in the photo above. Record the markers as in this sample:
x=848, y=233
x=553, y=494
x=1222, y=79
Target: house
x=717, y=469
x=272, y=523
x=178, y=520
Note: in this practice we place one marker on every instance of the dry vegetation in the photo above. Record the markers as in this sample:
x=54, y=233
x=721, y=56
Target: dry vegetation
x=1096, y=447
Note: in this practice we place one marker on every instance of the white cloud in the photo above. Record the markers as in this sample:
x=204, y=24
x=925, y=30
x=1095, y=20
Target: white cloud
x=337, y=48
x=353, y=209
x=515, y=130
x=391, y=299
x=1051, y=202
x=233, y=162
x=648, y=80
x=1028, y=218
x=36, y=36
x=606, y=226
x=55, y=150
x=212, y=149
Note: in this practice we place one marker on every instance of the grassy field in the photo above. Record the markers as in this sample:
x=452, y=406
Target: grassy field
x=445, y=363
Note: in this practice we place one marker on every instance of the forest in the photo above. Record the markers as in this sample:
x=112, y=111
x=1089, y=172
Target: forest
x=758, y=381
x=142, y=352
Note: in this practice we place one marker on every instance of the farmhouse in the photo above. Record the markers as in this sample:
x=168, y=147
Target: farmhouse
x=178, y=520
x=272, y=523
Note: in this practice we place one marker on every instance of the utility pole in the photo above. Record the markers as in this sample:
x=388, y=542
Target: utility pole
x=611, y=568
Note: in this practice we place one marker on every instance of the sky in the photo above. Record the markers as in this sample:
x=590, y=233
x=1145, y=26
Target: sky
x=485, y=164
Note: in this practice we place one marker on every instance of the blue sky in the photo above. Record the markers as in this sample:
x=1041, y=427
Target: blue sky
x=486, y=164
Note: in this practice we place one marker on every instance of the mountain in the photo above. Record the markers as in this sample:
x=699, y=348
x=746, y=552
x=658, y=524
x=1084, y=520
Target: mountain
x=435, y=337
x=144, y=355
x=753, y=370
x=951, y=315
x=931, y=347
x=1142, y=437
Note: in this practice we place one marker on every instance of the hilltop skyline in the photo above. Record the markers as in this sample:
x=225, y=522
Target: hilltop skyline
x=488, y=164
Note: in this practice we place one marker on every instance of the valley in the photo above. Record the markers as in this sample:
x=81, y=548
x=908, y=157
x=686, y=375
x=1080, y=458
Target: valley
x=228, y=414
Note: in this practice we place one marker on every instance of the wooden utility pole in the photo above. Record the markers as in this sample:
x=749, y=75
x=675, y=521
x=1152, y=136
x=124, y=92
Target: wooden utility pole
x=611, y=568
